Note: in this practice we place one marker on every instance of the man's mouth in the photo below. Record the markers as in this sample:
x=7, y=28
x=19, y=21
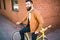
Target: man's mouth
x=28, y=9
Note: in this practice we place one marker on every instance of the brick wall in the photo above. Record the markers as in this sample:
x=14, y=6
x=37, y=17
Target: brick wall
x=49, y=9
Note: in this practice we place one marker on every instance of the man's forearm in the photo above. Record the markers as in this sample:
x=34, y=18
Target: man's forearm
x=39, y=27
x=24, y=20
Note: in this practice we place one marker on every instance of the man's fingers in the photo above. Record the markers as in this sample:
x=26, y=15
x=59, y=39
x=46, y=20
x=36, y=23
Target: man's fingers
x=36, y=32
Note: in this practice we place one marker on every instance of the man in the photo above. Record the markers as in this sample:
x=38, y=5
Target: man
x=35, y=21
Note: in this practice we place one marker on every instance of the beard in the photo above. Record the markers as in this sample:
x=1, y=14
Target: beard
x=28, y=9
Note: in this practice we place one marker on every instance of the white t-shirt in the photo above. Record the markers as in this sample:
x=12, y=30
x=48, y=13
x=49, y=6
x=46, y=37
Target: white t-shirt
x=29, y=16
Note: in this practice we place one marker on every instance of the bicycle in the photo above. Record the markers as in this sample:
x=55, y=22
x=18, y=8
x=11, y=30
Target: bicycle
x=15, y=35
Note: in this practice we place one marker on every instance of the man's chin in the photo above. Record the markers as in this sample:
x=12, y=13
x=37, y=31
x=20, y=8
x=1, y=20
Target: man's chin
x=29, y=9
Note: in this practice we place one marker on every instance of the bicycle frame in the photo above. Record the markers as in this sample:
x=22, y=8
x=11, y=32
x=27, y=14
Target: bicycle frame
x=37, y=37
x=27, y=36
x=42, y=31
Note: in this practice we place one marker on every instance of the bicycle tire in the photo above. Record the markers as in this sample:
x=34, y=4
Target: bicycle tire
x=16, y=36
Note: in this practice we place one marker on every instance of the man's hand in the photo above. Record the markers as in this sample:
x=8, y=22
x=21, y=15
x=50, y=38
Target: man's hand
x=36, y=32
x=17, y=23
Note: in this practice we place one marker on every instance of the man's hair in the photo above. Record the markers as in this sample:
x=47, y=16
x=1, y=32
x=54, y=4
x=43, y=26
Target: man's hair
x=29, y=1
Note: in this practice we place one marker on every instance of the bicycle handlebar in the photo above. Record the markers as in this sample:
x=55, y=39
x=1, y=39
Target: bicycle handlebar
x=44, y=29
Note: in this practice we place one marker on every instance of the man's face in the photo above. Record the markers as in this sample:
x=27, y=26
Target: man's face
x=28, y=5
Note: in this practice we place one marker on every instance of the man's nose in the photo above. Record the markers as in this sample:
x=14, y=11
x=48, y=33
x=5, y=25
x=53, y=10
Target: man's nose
x=27, y=5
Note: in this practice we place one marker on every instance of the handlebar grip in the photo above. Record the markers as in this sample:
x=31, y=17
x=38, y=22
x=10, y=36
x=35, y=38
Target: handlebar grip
x=44, y=29
x=22, y=24
x=49, y=26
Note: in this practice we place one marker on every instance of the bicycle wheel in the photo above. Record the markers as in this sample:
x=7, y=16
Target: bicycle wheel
x=16, y=36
